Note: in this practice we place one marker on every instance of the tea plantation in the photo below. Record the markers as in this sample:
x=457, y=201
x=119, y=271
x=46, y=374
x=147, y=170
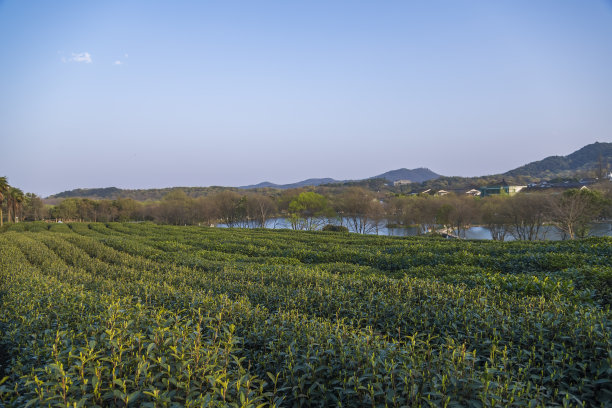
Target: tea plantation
x=159, y=316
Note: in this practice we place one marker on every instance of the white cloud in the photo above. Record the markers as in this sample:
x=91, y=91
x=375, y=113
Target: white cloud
x=117, y=62
x=81, y=57
x=125, y=55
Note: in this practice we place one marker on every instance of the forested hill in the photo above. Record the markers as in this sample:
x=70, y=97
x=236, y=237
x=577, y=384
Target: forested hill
x=111, y=193
x=304, y=183
x=415, y=175
x=584, y=160
x=151, y=194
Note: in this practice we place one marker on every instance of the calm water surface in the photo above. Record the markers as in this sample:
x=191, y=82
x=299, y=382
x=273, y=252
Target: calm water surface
x=550, y=232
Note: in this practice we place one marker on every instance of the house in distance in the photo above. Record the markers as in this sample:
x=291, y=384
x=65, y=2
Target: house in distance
x=502, y=188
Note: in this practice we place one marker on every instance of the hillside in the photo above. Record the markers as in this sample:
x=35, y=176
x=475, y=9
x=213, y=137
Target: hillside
x=585, y=160
x=151, y=194
x=582, y=163
x=415, y=175
x=303, y=183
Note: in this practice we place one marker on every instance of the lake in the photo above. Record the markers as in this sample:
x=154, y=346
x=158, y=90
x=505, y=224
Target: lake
x=478, y=232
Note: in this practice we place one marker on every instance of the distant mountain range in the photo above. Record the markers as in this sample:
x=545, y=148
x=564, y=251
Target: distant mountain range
x=585, y=161
x=415, y=176
x=303, y=183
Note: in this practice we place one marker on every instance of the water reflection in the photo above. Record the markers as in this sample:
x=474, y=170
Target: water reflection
x=547, y=232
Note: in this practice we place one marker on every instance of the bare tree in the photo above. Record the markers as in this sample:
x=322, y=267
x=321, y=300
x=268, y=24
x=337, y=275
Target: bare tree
x=463, y=213
x=260, y=209
x=526, y=215
x=429, y=213
x=495, y=217
x=574, y=211
x=228, y=205
x=362, y=209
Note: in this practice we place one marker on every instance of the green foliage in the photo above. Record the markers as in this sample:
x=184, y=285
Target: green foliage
x=138, y=314
x=308, y=210
x=335, y=228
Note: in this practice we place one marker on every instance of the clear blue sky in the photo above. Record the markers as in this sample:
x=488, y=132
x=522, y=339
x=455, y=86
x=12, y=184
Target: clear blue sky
x=139, y=94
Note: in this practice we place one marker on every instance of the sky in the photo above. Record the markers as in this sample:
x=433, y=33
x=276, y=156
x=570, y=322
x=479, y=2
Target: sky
x=144, y=94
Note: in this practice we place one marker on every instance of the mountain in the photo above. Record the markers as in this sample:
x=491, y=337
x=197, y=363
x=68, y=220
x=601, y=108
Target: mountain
x=582, y=163
x=585, y=160
x=94, y=193
x=415, y=175
x=150, y=194
x=113, y=193
x=303, y=183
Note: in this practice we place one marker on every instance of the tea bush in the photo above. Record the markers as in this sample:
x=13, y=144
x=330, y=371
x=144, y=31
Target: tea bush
x=138, y=314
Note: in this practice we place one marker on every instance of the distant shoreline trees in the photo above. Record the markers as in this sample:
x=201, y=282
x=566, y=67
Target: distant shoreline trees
x=524, y=216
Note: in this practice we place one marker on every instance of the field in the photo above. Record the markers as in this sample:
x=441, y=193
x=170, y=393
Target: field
x=148, y=315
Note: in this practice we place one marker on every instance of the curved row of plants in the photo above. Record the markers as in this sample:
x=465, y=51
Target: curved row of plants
x=147, y=315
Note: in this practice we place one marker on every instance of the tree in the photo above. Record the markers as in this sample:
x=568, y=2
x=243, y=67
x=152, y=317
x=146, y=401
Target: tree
x=204, y=210
x=173, y=208
x=260, y=208
x=228, y=206
x=463, y=213
x=105, y=211
x=574, y=211
x=34, y=208
x=308, y=211
x=68, y=209
x=127, y=208
x=399, y=210
x=4, y=187
x=241, y=213
x=428, y=213
x=85, y=209
x=286, y=197
x=495, y=217
x=15, y=199
x=602, y=168
x=526, y=214
x=361, y=208
x=443, y=213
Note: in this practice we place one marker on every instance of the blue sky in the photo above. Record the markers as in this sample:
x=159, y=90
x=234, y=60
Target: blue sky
x=139, y=94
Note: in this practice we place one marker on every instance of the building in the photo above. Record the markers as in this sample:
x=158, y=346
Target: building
x=502, y=188
x=401, y=182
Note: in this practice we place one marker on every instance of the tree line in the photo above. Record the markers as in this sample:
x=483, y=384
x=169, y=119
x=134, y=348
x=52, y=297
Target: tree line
x=523, y=216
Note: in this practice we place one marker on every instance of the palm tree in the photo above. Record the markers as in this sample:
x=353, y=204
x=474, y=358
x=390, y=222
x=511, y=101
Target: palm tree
x=16, y=197
x=4, y=187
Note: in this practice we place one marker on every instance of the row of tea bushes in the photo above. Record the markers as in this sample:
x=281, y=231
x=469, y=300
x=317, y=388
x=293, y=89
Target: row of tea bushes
x=147, y=315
